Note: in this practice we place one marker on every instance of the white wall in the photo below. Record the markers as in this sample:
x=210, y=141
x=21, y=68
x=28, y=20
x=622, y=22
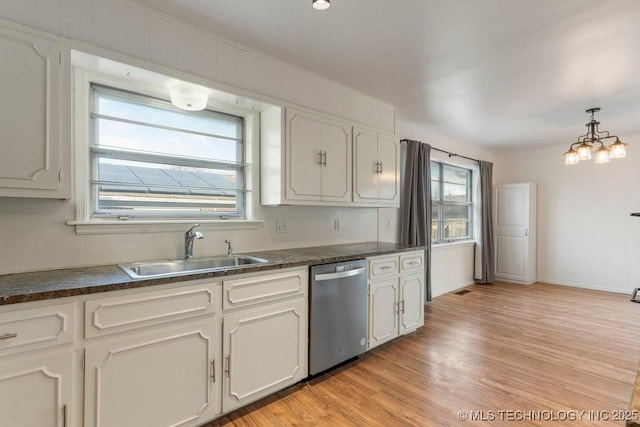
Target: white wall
x=34, y=234
x=585, y=236
x=452, y=264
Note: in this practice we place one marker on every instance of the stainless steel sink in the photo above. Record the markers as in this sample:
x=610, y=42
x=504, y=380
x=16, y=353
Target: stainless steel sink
x=150, y=269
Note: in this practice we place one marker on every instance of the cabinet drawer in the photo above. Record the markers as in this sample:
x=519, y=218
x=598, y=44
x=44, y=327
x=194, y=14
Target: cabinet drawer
x=383, y=266
x=36, y=328
x=412, y=262
x=109, y=315
x=253, y=290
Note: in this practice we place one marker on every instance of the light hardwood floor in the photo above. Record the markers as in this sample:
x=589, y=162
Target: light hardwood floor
x=501, y=347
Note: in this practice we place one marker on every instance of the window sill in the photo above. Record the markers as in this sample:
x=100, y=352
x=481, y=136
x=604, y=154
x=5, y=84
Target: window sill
x=164, y=226
x=452, y=245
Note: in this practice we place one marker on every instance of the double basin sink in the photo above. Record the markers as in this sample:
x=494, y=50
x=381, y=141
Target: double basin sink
x=154, y=269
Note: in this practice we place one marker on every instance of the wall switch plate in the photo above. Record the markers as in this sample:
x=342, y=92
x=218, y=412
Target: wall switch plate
x=281, y=225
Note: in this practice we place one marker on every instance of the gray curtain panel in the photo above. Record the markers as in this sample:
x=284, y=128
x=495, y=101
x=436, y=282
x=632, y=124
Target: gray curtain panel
x=486, y=223
x=415, y=205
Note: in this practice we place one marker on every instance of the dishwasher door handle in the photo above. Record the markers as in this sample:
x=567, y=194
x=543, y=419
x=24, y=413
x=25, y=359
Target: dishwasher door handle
x=339, y=275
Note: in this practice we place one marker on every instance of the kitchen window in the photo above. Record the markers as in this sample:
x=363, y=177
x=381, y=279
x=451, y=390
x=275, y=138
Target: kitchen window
x=151, y=160
x=451, y=203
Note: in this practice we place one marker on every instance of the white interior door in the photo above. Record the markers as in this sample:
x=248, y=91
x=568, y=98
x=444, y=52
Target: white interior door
x=512, y=234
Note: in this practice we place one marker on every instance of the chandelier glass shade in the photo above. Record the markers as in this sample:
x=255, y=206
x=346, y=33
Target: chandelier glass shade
x=594, y=140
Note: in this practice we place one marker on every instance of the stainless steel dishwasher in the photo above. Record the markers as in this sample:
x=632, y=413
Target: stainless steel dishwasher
x=338, y=314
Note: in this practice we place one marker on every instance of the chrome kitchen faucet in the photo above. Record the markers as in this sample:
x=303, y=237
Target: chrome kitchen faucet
x=188, y=241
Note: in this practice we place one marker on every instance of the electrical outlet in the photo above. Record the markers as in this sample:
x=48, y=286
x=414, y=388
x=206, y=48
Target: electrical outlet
x=336, y=224
x=281, y=225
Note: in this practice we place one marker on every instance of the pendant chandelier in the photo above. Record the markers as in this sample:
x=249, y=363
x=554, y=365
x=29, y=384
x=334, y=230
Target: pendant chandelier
x=581, y=150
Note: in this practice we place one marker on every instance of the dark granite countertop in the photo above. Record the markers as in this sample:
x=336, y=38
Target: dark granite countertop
x=42, y=285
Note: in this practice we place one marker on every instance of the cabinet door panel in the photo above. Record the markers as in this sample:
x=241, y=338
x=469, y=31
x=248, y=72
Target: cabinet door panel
x=389, y=179
x=383, y=311
x=161, y=378
x=35, y=392
x=411, y=302
x=336, y=173
x=30, y=113
x=264, y=352
x=366, y=156
x=304, y=146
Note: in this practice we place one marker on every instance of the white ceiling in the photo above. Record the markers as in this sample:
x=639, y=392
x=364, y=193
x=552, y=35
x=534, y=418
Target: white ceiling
x=499, y=73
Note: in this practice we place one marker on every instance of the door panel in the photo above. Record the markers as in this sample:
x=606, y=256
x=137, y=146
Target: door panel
x=366, y=156
x=336, y=174
x=510, y=262
x=30, y=112
x=264, y=352
x=389, y=179
x=35, y=392
x=411, y=302
x=383, y=311
x=513, y=230
x=304, y=146
x=161, y=378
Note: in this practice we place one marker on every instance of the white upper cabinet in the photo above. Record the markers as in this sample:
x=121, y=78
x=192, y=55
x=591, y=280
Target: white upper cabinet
x=317, y=159
x=376, y=168
x=318, y=156
x=34, y=130
x=311, y=165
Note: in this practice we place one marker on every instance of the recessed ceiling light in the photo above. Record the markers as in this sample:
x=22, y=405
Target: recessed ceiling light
x=321, y=4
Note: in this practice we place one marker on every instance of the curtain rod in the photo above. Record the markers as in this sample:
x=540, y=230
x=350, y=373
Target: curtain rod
x=448, y=152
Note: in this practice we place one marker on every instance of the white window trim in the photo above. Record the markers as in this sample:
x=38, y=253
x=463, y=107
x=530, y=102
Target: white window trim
x=475, y=196
x=84, y=224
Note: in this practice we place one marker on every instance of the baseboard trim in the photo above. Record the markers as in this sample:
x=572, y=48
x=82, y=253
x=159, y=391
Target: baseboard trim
x=591, y=287
x=448, y=291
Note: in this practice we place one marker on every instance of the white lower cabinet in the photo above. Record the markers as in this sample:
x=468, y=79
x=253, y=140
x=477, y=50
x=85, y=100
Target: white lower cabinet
x=37, y=391
x=154, y=357
x=164, y=378
x=383, y=311
x=411, y=303
x=396, y=296
x=265, y=350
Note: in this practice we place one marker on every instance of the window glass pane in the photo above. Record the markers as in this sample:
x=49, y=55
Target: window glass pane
x=133, y=186
x=435, y=171
x=141, y=109
x=142, y=138
x=434, y=221
x=455, y=229
x=435, y=190
x=455, y=193
x=150, y=159
x=453, y=212
x=456, y=175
